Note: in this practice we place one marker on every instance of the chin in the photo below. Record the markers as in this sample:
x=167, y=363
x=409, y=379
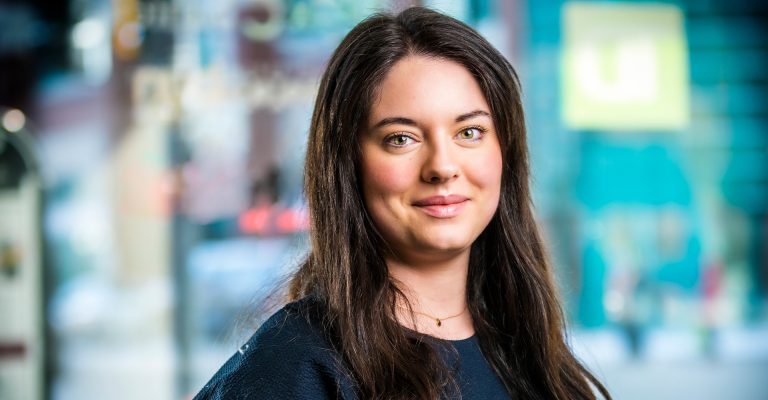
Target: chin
x=446, y=244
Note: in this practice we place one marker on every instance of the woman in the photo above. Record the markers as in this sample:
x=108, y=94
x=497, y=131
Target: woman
x=427, y=277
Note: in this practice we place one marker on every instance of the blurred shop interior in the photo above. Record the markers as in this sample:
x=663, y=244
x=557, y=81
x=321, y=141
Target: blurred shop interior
x=151, y=166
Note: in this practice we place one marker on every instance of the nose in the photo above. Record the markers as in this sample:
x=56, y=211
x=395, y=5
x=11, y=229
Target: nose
x=440, y=165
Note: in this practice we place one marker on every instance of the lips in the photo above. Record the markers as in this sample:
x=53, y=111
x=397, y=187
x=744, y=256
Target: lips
x=442, y=206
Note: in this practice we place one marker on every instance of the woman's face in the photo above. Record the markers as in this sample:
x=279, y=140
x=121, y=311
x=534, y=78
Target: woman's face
x=430, y=159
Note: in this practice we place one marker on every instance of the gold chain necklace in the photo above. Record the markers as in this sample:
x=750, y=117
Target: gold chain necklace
x=438, y=321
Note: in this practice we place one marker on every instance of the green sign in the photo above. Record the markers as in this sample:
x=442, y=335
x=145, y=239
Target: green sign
x=624, y=67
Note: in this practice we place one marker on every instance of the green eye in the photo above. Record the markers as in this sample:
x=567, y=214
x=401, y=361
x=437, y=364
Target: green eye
x=470, y=134
x=399, y=140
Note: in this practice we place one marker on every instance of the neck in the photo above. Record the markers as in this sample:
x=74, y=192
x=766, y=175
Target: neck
x=435, y=289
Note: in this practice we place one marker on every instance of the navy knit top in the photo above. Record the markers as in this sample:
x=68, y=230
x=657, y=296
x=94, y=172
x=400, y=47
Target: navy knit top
x=289, y=358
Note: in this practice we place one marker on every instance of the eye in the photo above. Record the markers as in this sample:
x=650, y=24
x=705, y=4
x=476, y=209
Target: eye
x=472, y=133
x=398, y=140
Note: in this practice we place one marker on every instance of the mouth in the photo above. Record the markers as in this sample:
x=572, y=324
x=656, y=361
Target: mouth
x=442, y=206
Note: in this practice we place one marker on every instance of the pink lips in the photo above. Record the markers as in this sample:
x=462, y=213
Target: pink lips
x=442, y=206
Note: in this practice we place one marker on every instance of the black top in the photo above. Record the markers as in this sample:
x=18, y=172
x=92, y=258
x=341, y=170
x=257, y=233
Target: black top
x=289, y=358
x=475, y=377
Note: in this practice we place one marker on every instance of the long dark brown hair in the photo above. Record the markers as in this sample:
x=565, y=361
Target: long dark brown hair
x=510, y=290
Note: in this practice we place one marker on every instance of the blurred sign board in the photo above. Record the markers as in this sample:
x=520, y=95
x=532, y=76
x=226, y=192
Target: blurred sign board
x=22, y=321
x=624, y=67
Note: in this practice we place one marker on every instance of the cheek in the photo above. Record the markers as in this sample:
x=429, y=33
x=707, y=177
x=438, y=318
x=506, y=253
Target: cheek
x=384, y=185
x=486, y=174
x=495, y=176
x=382, y=179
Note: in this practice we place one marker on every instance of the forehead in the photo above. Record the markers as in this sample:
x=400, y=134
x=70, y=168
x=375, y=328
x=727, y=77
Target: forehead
x=425, y=89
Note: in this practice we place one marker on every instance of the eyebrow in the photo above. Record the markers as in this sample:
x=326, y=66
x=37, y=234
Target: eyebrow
x=410, y=122
x=472, y=114
x=395, y=121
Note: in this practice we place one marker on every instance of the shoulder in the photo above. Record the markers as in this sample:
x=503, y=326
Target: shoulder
x=289, y=357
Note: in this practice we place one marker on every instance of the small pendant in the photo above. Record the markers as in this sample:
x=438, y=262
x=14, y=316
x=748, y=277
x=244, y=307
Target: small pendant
x=439, y=323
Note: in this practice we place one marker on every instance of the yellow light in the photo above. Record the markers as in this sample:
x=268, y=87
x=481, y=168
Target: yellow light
x=624, y=67
x=13, y=120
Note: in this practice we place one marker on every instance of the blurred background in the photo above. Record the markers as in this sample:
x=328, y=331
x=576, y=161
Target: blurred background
x=150, y=183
